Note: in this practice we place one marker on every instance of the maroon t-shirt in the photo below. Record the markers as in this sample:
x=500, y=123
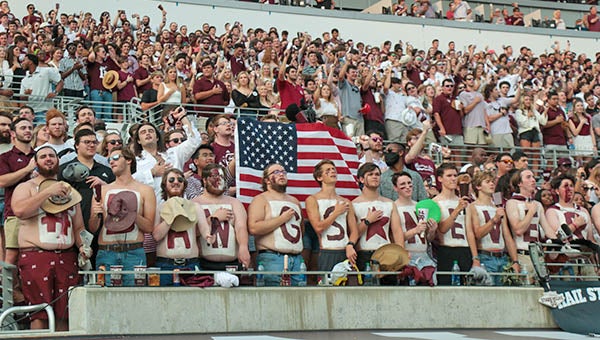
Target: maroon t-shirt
x=141, y=74
x=414, y=74
x=237, y=64
x=96, y=72
x=224, y=155
x=289, y=93
x=204, y=84
x=125, y=94
x=376, y=114
x=425, y=167
x=595, y=27
x=554, y=135
x=450, y=117
x=12, y=161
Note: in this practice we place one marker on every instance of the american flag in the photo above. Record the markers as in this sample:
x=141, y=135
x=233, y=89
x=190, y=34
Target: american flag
x=298, y=148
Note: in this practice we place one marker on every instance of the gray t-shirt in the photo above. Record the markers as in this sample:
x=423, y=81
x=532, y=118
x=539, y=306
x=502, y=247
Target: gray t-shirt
x=351, y=100
x=386, y=188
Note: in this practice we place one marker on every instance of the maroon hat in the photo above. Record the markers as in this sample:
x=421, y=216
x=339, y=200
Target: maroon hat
x=122, y=211
x=564, y=161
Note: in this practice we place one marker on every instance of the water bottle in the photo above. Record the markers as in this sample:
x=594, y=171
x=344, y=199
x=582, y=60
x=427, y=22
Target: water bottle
x=368, y=277
x=525, y=276
x=455, y=277
x=302, y=277
x=260, y=278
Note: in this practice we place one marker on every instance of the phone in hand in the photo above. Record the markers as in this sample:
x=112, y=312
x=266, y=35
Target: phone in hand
x=463, y=188
x=161, y=7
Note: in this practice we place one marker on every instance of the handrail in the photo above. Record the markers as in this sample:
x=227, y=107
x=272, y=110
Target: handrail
x=8, y=308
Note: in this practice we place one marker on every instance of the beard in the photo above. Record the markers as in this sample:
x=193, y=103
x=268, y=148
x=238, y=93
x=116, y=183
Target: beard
x=52, y=172
x=279, y=187
x=5, y=137
x=214, y=191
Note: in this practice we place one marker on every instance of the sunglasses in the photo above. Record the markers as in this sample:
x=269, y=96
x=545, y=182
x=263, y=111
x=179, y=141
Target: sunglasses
x=568, y=165
x=410, y=88
x=177, y=140
x=461, y=87
x=469, y=78
x=115, y=157
x=277, y=173
x=89, y=142
x=377, y=139
x=507, y=161
x=115, y=141
x=448, y=86
x=179, y=179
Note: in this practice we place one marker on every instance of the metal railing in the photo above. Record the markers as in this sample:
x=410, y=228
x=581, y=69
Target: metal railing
x=124, y=114
x=7, y=323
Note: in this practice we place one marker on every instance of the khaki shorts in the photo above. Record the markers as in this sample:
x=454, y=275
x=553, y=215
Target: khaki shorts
x=503, y=140
x=474, y=135
x=11, y=232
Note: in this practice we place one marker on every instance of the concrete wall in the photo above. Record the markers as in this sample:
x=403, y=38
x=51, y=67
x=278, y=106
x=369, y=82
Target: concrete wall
x=194, y=310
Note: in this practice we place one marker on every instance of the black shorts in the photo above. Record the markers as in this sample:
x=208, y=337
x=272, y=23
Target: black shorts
x=532, y=136
x=329, y=258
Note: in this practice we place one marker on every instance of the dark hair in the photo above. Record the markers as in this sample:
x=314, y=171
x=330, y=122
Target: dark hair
x=367, y=167
x=82, y=107
x=557, y=180
x=14, y=123
x=33, y=58
x=163, y=182
x=439, y=172
x=317, y=172
x=518, y=155
x=502, y=154
x=201, y=147
x=83, y=133
x=137, y=147
x=397, y=175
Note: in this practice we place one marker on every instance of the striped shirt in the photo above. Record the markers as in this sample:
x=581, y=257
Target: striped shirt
x=73, y=81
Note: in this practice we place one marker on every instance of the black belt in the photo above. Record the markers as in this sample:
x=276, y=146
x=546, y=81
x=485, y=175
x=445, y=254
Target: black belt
x=57, y=251
x=179, y=261
x=492, y=253
x=267, y=251
x=121, y=247
x=523, y=252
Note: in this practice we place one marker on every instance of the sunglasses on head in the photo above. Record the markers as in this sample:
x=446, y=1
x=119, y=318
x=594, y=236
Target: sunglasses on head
x=177, y=140
x=115, y=141
x=172, y=179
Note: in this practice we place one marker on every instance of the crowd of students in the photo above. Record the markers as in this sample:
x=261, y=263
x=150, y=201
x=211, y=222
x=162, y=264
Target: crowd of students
x=165, y=194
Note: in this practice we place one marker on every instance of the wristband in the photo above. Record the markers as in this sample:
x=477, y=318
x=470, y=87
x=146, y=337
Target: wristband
x=350, y=243
x=475, y=258
x=515, y=262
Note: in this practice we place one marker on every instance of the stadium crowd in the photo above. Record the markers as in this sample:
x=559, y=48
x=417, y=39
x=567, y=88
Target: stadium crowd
x=165, y=194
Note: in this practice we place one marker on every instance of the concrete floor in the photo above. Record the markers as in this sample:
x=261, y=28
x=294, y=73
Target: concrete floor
x=453, y=334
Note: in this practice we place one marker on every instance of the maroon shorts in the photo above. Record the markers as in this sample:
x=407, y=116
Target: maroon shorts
x=46, y=276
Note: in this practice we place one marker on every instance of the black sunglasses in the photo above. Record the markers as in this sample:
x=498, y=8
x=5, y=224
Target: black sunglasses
x=176, y=140
x=115, y=141
x=179, y=179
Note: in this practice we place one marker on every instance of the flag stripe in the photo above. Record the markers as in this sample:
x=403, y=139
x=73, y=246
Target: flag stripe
x=298, y=148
